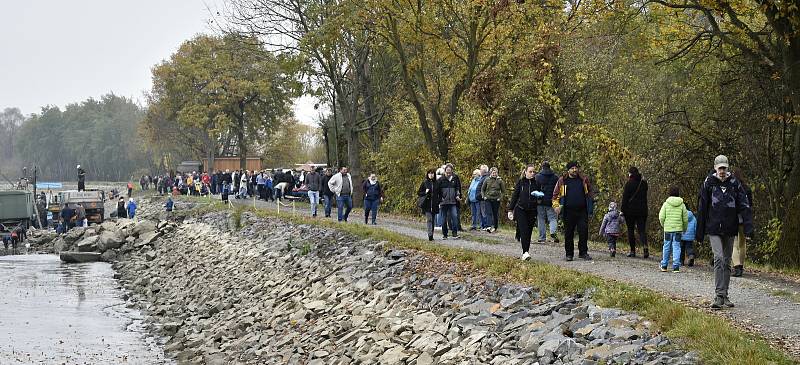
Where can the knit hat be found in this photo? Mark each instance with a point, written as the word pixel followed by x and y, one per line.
pixel 612 206
pixel 546 165
pixel 721 161
pixel 572 164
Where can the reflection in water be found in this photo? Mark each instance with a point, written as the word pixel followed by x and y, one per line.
pixel 43 321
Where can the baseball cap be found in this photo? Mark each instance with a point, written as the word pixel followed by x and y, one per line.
pixel 721 161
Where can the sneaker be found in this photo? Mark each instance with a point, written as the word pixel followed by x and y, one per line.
pixel 663 269
pixel 613 253
pixel 456 237
pixel 570 258
pixel 726 302
pixel 676 269
pixel 691 262
pixel 437 228
pixel 632 254
pixel 718 303
pixel 526 256
pixel 492 230
pixel 444 237
pixel 540 241
pixel 585 257
pixel 737 271
pixel 430 238
pixel 555 238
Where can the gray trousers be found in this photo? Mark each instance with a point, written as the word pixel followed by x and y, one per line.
pixel 431 219
pixel 722 246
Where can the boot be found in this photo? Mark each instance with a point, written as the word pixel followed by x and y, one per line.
pixel 646 253
pixel 738 270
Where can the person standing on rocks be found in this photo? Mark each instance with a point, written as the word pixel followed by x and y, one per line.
pixel 448 187
pixel 740 244
pixel 168 206
pixel 81 179
pixel 722 203
pixel 573 196
pixel 373 196
pixel 327 194
pixel 341 184
pixel 80 213
pixel 314 184
pixel 493 190
pixel 131 208
pixel 634 207
pixel 122 212
pixel 547 179
pixel 427 200
pixel 522 207
pixel 67 217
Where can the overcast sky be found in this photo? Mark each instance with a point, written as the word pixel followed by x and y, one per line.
pixel 59 52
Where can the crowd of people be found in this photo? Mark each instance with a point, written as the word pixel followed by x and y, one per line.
pixel 541 198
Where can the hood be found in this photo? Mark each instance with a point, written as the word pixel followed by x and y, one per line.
pixel 547 171
pixel 675 201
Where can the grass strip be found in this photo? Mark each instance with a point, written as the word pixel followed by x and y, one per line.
pixel 716 340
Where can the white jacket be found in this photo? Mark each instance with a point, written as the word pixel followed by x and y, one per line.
pixel 335 183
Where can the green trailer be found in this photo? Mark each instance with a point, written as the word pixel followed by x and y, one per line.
pixel 16 209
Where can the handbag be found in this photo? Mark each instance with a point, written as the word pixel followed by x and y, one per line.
pixel 421 201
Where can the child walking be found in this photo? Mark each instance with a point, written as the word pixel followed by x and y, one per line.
pixel 612 227
pixel 674 217
pixel 687 239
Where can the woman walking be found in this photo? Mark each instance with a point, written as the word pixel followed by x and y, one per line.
pixel 522 207
pixel 634 207
pixel 492 191
pixel 373 196
pixel 427 200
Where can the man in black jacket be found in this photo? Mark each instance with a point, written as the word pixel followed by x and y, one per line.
pixel 547 180
pixel 723 201
pixel 634 207
pixel 327 194
pixel 448 189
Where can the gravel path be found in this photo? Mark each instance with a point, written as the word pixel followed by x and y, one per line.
pixel 757 309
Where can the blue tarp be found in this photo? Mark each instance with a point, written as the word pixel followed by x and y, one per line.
pixel 49 185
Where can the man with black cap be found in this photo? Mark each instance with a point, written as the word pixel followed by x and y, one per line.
pixel 547 179
pixel 723 201
pixel 573 197
pixel 81 179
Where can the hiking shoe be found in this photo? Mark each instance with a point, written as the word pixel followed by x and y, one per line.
pixel 430 238
pixel 663 269
pixel 554 237
pixel 737 271
pixel 691 262
pixel 613 253
pixel 570 258
pixel 444 237
pixel 525 256
pixel 541 241
pixel 585 257
pixel 726 302
pixel 632 254
pixel 456 237
pixel 718 303
pixel 676 269
pixel 646 253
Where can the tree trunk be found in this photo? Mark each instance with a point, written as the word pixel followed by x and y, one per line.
pixel 240 136
pixel 789 244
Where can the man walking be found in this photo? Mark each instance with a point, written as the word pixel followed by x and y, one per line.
pixel 448 189
pixel 327 194
pixel 547 180
pixel 341 184
pixel 573 197
pixel 314 184
pixel 723 201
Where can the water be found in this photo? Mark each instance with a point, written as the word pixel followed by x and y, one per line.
pixel 55 313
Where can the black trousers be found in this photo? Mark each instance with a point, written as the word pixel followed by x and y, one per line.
pixel 525 222
pixel 636 223
pixel 576 219
pixel 81 186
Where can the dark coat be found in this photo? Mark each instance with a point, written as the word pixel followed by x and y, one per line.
pixel 447 190
pixel 326 190
pixel 122 212
pixel 521 197
pixel 634 203
pixel 721 206
pixel 313 181
pixel 431 203
pixel 547 180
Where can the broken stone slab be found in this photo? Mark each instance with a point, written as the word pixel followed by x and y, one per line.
pixel 72 257
pixel 88 244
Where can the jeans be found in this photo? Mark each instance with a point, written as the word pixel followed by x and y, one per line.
pixel 637 223
pixel 341 202
pixel 429 218
pixel 450 216
pixel 576 218
pixel 549 213
pixel 672 244
pixel 485 213
pixel 475 207
pixel 371 205
pixel 440 218
pixel 722 246
pixel 313 198
pixel 328 199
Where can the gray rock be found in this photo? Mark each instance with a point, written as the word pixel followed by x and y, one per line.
pixel 72 257
pixel 88 244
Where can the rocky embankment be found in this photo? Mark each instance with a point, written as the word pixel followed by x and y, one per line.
pixel 274 292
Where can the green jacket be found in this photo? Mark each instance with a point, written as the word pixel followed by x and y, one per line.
pixel 493 188
pixel 673 215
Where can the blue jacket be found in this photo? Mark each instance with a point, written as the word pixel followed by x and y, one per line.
pixel 131 209
pixel 690 229
pixel 473 189
pixel 168 205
